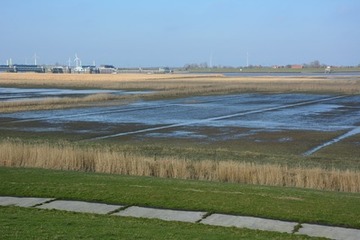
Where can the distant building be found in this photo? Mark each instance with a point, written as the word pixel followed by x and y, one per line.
pixel 277 67
pixel 297 66
pixel 107 69
pixel 328 69
pixel 57 70
pixel 165 70
pixel 22 68
pixel 89 69
pixel 5 68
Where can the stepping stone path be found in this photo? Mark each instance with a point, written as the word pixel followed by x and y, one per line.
pixel 163 214
pixel 76 206
pixel 185 216
pixel 23 202
pixel 250 222
pixel 329 232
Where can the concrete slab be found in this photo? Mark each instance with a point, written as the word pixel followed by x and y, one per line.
pixel 163 214
pixel 329 232
pixel 78 206
pixel 23 201
pixel 249 222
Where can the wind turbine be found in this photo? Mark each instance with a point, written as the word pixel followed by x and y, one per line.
pixel 35 58
pixel 77 60
pixel 78 67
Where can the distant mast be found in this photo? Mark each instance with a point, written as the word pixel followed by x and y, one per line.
pixel 35 59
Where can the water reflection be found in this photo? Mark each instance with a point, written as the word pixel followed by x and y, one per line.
pixel 20 94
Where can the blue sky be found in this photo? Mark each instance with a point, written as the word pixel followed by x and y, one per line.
pixel 144 33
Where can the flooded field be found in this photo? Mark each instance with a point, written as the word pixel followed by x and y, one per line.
pixel 301 123
pixel 21 94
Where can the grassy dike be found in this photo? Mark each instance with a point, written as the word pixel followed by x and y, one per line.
pixel 292 204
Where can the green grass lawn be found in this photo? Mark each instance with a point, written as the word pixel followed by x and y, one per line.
pixel 300 205
pixel 22 223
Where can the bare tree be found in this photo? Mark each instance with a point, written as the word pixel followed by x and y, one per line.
pixel 315 64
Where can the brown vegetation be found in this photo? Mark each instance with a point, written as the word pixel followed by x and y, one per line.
pixel 183 83
pixel 67 157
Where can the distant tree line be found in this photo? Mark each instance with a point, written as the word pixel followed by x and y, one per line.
pixel 205 65
pixel 314 64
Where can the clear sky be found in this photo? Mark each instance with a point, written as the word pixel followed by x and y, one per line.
pixel 134 33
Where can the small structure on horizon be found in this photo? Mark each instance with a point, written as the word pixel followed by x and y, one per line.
pixel 107 69
pixel 328 69
pixel 165 70
pixel 57 69
pixel 297 66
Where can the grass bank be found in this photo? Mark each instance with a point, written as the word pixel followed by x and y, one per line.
pixel 292 204
pixel 69 157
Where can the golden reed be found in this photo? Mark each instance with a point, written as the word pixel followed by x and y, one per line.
pixel 67 157
pixel 183 83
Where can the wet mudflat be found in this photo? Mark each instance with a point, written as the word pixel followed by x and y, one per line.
pixel 21 94
pixel 298 122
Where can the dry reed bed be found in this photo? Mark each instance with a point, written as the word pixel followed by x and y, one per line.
pixel 184 83
pixel 85 79
pixel 67 157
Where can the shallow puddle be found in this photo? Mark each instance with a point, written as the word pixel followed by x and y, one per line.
pixel 21 94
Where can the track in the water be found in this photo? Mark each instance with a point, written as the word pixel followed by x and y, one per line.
pixel 218 118
pixel 111 111
pixel 278 111
pixel 353 132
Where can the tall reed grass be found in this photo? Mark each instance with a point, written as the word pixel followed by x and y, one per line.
pixel 67 157
pixel 182 83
